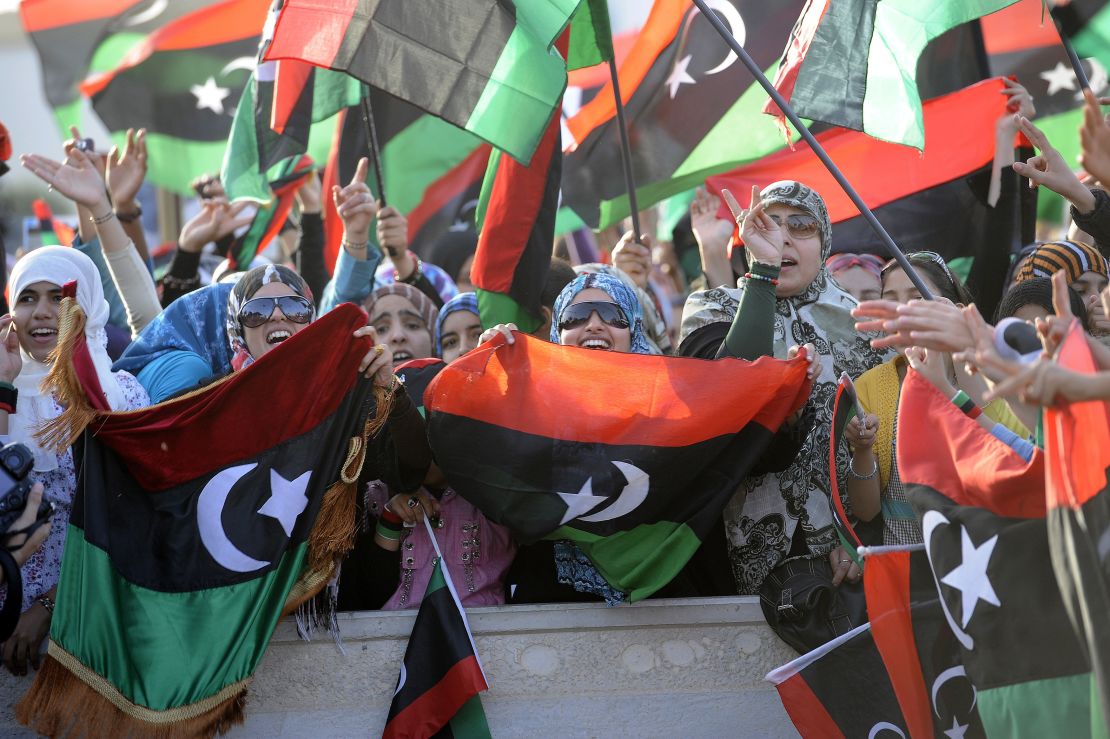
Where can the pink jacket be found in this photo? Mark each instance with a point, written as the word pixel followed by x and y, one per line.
pixel 478 553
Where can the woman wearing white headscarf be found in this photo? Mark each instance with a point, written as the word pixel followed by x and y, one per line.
pixel 29 335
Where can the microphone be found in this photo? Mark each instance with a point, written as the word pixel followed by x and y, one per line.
pixel 1017 341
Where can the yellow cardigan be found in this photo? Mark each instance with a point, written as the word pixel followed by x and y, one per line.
pixel 878 389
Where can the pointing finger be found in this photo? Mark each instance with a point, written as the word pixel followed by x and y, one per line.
pixel 361 171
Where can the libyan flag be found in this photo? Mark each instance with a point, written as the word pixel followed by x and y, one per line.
pixel 853 63
pixel 487 66
pixel 840 690
pixel 182 84
pixel 631 457
pixel 982 517
pixel 196 524
pixel 1077 445
pixel 441 675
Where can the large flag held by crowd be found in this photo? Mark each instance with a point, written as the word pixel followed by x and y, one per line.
pixel 184 611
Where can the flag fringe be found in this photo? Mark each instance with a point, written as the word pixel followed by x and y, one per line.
pixel 61 704
pixel 62 431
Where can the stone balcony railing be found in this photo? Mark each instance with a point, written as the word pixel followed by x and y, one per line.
pixel 661 668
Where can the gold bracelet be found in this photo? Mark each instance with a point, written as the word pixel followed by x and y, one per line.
pixel 104 218
pixel 356 247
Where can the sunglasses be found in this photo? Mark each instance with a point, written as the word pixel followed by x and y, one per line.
pixel 579 314
pixel 257 311
pixel 931 256
pixel 799 226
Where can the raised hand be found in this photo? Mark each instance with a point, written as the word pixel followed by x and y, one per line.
pixel 393 236
pixel 933 366
pixel 11 362
pixel 309 195
pixel 633 257
pixel 216 219
pixel 763 238
pixel 712 233
pixel 127 170
pixel 356 206
pixel 1049 169
pixel 77 179
pixel 77 142
pixel 1020 101
pixel 1094 137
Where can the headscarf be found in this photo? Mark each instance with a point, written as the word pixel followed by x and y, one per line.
pixel 444 284
pixel 250 283
pixel 195 322
pixel 655 328
pixel 621 294
pixel 462 301
pixel 451 250
pixel 847 260
pixel 1074 257
pixel 762 518
pixel 1037 291
pixel 59 265
pixel 424 306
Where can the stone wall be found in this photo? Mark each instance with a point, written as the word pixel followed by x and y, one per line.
pixel 666 668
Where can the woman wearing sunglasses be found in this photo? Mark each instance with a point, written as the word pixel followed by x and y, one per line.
pixel 874 485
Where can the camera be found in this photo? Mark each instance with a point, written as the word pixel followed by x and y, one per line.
pixel 16 461
pixel 1016 340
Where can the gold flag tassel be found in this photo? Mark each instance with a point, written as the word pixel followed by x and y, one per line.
pixel 60 433
pixel 63 684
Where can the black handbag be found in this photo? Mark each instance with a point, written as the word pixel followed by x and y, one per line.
pixel 805 609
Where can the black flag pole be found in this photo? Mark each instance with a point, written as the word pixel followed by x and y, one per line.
pixel 1076 64
pixel 375 151
pixel 626 149
pixel 784 106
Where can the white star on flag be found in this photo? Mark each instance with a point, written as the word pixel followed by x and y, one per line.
pixel 1060 77
pixel 581 502
pixel 680 76
pixel 970 578
pixel 287 499
pixel 210 95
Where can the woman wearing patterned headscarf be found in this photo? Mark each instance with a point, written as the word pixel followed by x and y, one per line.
pixel 405 318
pixel 783 516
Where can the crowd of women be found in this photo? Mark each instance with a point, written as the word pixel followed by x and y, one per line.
pixel 789 291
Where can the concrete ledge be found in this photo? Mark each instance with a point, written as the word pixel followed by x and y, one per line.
pixel 691 668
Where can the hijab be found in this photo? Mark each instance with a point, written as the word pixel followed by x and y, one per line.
pixel 195 322
pixel 1074 257
pixel 761 521
pixel 249 284
pixel 424 306
pixel 451 250
pixel 59 265
pixel 620 293
pixel 654 326
pixel 462 301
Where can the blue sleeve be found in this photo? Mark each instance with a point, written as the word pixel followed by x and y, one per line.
pixel 1022 446
pixel 352 280
pixel 173 372
pixel 117 315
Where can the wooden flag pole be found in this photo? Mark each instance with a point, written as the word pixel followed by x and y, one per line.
pixel 626 149
pixel 891 247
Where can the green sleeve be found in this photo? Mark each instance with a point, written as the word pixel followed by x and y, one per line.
pixel 751 335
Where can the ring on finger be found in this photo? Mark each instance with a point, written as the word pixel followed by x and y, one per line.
pixel 413 502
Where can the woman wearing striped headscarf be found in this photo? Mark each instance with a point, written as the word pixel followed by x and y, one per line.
pixel 1086 270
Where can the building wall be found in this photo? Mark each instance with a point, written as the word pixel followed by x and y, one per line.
pixel 666 668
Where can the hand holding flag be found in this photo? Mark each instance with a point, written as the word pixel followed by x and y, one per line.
pixel 633 257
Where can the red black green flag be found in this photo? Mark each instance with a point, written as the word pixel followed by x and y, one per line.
pixel 183 83
pixel 516 216
pixel 949 176
pixel 195 522
pixel 441 676
pixel 845 408
pixel 486 66
pixel 988 546
pixel 1077 447
pixel 921 654
pixel 417 374
pixel 840 690
pixel 634 466
pixel 288 176
pixel 432 170
pixel 854 63
pixel 70 35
